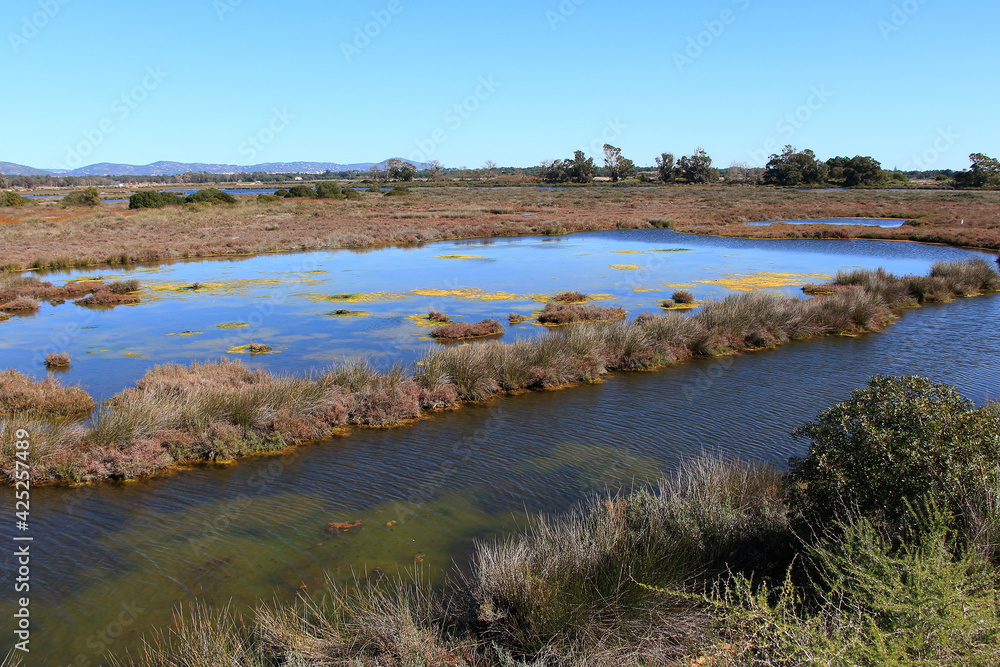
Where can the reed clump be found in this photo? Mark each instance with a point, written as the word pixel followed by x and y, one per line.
pixel 57 360
pixel 569 313
pixel 460 330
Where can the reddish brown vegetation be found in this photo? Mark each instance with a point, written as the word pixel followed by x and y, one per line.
pixel 459 330
pixel 46 398
pixel 57 360
pixel 561 313
pixel 571 297
pixel 115 235
pixel 435 316
pixel 108 298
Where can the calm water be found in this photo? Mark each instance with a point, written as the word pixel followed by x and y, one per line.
pixel 258 530
pixel 288 301
pixel 864 222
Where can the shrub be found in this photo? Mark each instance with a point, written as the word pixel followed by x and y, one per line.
pixel 8 198
pixel 86 197
pixel 281 192
pixel 57 360
pixel 154 199
pixel 457 330
pixel 683 296
pixel 268 199
pixel 301 192
pixel 397 191
pixel 352 194
pixel 514 318
pixel 210 196
pixel 435 316
pixel 329 190
pixel 893 442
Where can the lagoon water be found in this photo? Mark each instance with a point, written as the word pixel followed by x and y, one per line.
pixel 864 222
pixel 258 530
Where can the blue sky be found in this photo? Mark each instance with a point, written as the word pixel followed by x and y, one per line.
pixel 911 82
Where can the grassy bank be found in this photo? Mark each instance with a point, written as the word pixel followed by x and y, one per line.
pixel 49 237
pixel 879 547
pixel 220 411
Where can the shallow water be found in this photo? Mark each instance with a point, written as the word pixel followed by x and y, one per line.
pixel 288 300
pixel 260 529
pixel 864 222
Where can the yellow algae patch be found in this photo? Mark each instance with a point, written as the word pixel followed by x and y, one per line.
pixel 316 273
pixel 359 297
pixel 188 333
pixel 626 267
pixel 424 321
pixel 134 355
pixel 346 313
pixel 751 282
pixel 232 325
pixel 475 294
pixel 250 348
pixel 643 290
pixel 630 252
pixel 673 250
pixel 458 257
pixel 228 286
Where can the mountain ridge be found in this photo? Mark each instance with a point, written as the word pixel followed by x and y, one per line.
pixel 168 168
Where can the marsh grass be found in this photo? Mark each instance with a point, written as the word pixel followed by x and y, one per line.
pixel 460 330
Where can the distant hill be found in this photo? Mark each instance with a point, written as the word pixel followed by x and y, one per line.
pixel 12 169
pixel 174 168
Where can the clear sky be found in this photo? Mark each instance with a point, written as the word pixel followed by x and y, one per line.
pixel 515 82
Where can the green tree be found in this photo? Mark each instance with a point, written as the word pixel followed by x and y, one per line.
pixel 985 171
pixel 9 198
pixel 795 168
pixel 697 168
pixel 619 167
pixel 582 168
pixel 665 167
pixel 554 171
pixel 398 170
pixel 863 171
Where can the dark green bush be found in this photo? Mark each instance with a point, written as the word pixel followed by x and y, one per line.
pixel 154 199
pixel 329 190
pixel 9 198
pixel 268 199
pixel 895 441
pixel 85 197
pixel 301 191
pixel 210 196
pixel 281 193
pixel 351 193
pixel 398 191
